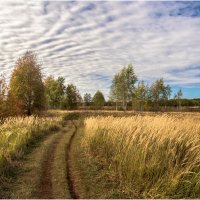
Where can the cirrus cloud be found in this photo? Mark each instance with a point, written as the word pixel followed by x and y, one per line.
pixel 88 42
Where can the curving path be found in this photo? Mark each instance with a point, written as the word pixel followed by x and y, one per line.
pixel 45 173
pixel 45 189
pixel 71 184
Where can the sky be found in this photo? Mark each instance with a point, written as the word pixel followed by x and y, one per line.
pixel 88 42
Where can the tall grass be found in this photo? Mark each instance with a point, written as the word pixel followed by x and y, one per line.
pixel 147 156
pixel 17 133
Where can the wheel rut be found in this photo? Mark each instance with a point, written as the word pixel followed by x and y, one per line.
pixel 46 185
pixel 70 180
pixel 46 173
pixel 45 189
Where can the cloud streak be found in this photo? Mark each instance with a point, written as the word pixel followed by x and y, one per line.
pixel 88 42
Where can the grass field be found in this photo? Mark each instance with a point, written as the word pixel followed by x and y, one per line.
pixel 142 156
pixel 101 155
pixel 17 133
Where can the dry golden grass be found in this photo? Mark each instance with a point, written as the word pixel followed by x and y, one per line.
pixel 16 133
pixel 148 156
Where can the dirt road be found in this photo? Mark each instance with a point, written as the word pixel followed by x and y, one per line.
pixel 45 172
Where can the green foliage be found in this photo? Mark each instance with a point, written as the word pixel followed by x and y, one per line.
pixel 72 97
pixel 151 97
pixel 60 96
pixel 159 93
pixel 140 97
pixel 98 100
pixel 178 97
pixel 87 99
pixel 123 86
pixel 55 90
pixel 26 86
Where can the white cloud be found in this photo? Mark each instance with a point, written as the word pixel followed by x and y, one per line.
pixel 88 43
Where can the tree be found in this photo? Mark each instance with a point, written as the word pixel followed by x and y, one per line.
pixel 159 93
pixel 72 98
pixel 55 90
pixel 61 83
pixel 3 100
pixel 87 99
pixel 3 89
pixel 166 94
pixel 115 91
pixel 26 86
pixel 98 100
pixel 140 96
pixel 122 87
pixel 178 97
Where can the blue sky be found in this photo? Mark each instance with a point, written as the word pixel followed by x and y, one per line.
pixel 88 42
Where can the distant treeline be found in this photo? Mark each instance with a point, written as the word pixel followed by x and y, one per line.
pixel 28 92
pixel 170 105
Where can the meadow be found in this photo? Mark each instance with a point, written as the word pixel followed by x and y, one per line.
pixel 100 154
pixel 16 134
pixel 144 156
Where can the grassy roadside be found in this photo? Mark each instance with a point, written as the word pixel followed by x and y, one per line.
pixel 22 178
pixel 18 134
pixel 90 180
pixel 32 171
pixel 97 175
pixel 157 156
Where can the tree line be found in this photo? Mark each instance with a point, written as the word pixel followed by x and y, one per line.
pixel 68 97
pixel 28 92
pixel 124 91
